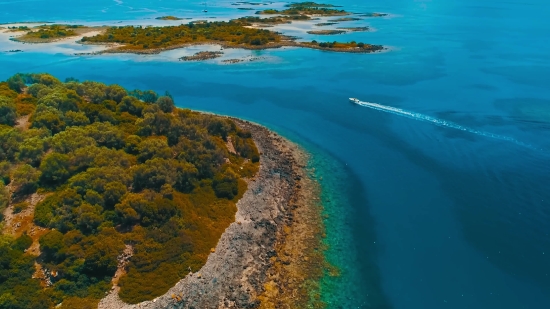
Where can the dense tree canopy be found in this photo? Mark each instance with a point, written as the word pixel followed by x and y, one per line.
pixel 117 168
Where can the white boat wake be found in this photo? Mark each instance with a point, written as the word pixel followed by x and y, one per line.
pixel 436 121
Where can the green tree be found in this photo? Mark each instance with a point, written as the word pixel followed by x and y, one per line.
pixel 10 140
pixel 94 198
pixel 220 127
pixel 106 115
pixel 226 184
pixel 49 118
pixel 131 105
pixel 76 118
pixel 154 173
pixel 46 79
pixel 35 89
pixel 157 172
pixel 245 147
pixel 132 144
pixel 114 191
pixel 101 257
pixel 16 83
pixel 106 134
pixel 51 244
pixel 157 123
pixel 203 154
pixel 110 105
pixel 116 93
pixel 88 217
pixel 166 104
pixel 5 168
pixel 8 114
pixel 79 303
pixel 111 157
pixel 72 139
pixel 154 148
pixel 126 210
pixel 31 150
pixel 22 243
pixel 61 99
pixel 55 168
pixel 94 91
pixel 97 178
pixel 25 179
pixel 4 199
pixel 8 301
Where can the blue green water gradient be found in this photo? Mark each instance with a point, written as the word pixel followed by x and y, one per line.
pixel 419 216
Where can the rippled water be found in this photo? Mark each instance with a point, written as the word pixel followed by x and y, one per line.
pixel 419 216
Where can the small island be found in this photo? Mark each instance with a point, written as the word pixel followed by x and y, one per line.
pixel 351 47
pixel 248 3
pixel 155 39
pixel 344 19
pixel 307 8
pixel 275 20
pixel 232 34
pixel 203 55
pixel 168 18
pixel 373 15
pixel 326 32
pixel 325 24
pixel 51 33
pixel 355 29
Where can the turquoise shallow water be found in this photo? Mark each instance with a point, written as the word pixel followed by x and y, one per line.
pixel 420 216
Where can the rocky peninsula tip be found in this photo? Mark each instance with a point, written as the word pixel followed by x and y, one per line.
pixel 274 246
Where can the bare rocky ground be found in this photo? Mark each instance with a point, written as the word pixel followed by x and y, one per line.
pixel 236 273
pixel 17 224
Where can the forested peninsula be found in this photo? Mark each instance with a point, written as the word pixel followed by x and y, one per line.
pixel 110 197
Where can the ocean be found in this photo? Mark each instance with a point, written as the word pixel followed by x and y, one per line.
pixel 419 214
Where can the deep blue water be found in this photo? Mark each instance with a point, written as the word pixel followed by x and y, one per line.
pixel 420 216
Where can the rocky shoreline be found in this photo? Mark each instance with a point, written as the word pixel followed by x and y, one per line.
pixel 203 55
pixel 287 43
pixel 273 248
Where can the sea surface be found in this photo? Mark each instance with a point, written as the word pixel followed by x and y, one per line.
pixel 438 198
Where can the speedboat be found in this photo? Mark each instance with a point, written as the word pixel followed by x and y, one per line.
pixel 354 100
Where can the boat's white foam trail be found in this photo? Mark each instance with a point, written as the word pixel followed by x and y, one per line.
pixel 438 122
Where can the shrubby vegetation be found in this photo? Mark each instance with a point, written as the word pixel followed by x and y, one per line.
pixel 17 288
pixel 46 33
pixel 307 8
pixel 235 33
pixel 249 20
pixel 52 32
pixel 119 168
pixel 310 4
pixel 340 45
pixel 373 15
pixel 140 38
pixel 169 17
pixel 19 28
